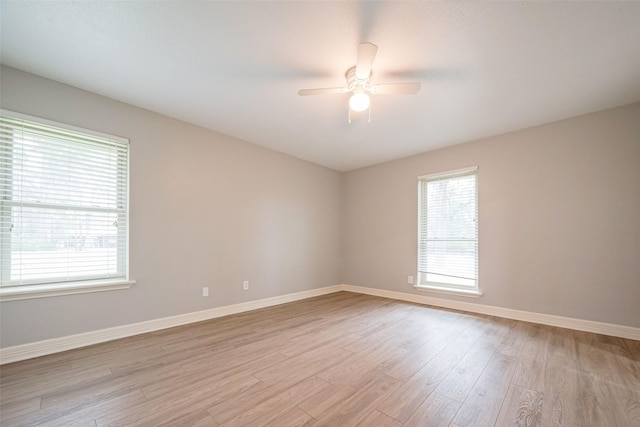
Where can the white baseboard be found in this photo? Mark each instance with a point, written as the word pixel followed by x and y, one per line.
pixel 527 316
pixel 55 345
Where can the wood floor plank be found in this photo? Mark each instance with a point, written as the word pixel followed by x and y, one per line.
pixel 303 365
pixel 276 330
pixel 230 359
pixel 104 388
pixel 341 360
pixel 437 410
pixel 360 368
pixel 368 341
pixel 415 390
pixel 19 407
pixel 294 418
pixel 458 383
pixel 217 389
pixel 192 418
pixel 513 340
pixel 603 405
pixel 33 368
pixel 521 407
pixel 631 404
pixel 496 329
pixel 529 371
pixel 482 405
pixel 333 338
pixel 378 419
pixel 624 363
pixel 563 404
pixel 405 367
pixel 278 405
pixel 179 403
pixel 85 414
pixel 591 353
pixel 561 343
pixel 355 408
pixel 119 358
pixel 55 382
pixel 321 402
pixel 230 408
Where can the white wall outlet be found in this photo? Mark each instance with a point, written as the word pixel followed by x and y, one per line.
pixel 410 280
pixel 205 291
pixel 245 285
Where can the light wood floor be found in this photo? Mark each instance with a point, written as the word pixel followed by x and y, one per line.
pixel 338 360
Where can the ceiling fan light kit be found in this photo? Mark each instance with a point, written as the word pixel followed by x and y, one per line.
pixel 359 101
pixel 359 83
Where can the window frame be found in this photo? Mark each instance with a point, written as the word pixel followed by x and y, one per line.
pixel 439 287
pixel 11 292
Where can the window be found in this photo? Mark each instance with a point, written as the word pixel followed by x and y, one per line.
pixel 448 232
pixel 63 209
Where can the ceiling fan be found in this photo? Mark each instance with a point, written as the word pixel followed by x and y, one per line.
pixel 359 83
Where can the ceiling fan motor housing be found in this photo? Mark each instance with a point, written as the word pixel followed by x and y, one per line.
pixel 355 84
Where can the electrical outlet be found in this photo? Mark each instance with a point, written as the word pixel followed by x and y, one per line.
pixel 410 280
pixel 205 291
pixel 245 285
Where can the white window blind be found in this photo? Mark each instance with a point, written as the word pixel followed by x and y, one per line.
pixel 63 203
pixel 448 229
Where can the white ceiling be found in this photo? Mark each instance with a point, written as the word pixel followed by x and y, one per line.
pixel 235 67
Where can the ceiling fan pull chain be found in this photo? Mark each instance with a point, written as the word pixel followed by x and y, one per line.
pixel 369 114
pixel 349 114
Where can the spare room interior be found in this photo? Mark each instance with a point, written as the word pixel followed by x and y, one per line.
pixel 344 213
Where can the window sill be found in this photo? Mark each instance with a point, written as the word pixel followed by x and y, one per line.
pixel 14 293
pixel 472 293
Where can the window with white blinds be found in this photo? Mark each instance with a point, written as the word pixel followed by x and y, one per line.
pixel 448 230
pixel 63 204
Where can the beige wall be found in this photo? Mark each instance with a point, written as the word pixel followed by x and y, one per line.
pixel 206 210
pixel 559 209
pixel 559 218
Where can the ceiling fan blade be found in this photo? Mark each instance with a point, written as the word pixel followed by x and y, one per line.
pixel 396 89
pixel 366 55
pixel 323 91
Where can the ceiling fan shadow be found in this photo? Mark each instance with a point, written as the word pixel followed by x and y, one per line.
pixel 440 74
pixel 368 12
pixel 277 72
